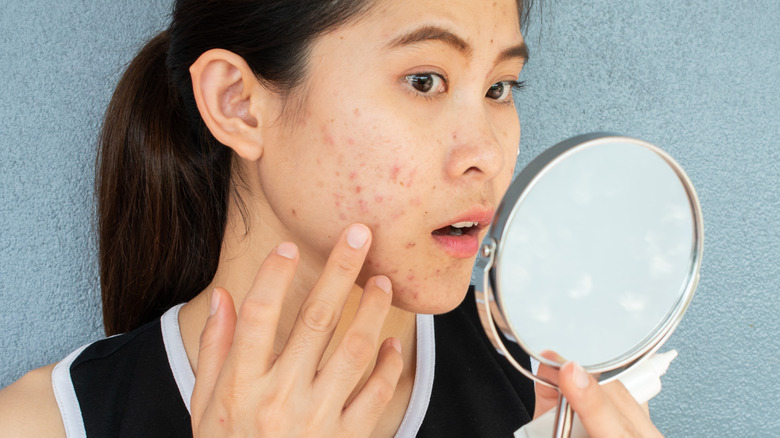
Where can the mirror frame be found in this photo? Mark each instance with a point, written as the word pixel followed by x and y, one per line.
pixel 488 295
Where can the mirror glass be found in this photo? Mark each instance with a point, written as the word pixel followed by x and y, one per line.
pixel 596 253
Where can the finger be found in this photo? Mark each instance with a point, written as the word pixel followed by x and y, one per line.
pixel 547 397
pixel 592 404
pixel 620 397
pixel 215 342
pixel 321 310
pixel 362 414
pixel 358 347
pixel 259 315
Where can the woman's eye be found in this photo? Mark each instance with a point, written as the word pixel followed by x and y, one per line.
pixel 426 83
pixel 502 91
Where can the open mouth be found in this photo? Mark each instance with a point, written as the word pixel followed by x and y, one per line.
pixel 458 229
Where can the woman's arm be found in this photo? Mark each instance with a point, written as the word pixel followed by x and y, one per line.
pixel 28 407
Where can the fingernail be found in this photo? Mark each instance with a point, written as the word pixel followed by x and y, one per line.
pixel 396 344
pixel 581 379
pixel 383 283
pixel 214 302
pixel 357 236
pixel 287 250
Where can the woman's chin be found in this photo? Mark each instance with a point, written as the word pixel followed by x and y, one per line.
pixel 437 300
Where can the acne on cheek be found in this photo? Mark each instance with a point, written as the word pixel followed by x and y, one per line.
pixel 404 181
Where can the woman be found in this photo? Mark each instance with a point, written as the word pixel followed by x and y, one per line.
pixel 352 150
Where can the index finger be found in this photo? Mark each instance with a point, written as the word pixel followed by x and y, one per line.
pixel 321 310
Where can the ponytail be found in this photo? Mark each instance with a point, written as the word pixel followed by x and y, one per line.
pixel 162 185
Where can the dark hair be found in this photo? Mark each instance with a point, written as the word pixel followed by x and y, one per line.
pixel 163 182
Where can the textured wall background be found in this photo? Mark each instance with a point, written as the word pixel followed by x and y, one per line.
pixel 698 78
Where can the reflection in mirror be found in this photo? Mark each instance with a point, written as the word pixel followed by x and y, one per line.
pixel 597 253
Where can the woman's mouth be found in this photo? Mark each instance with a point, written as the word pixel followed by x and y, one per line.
pixel 459 240
pixel 458 229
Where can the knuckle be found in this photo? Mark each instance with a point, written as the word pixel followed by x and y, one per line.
pixel 255 311
pixel 208 341
pixel 359 348
pixel 318 316
pixel 382 391
pixel 278 266
pixel 344 265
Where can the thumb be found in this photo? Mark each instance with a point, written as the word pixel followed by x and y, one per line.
pixel 591 403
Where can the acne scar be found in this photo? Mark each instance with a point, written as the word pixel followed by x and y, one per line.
pixel 378 199
pixel 358 189
pixel 352 175
pixel 294 213
pixel 410 245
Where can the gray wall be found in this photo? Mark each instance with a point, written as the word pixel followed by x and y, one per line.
pixel 698 78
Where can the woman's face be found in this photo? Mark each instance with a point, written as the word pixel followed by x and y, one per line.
pixel 406 124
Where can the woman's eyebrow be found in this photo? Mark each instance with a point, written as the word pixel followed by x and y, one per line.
pixel 436 33
pixel 519 51
pixel 432 33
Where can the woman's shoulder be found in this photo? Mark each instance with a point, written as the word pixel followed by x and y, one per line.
pixel 28 406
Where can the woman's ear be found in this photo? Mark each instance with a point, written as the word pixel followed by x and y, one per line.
pixel 231 101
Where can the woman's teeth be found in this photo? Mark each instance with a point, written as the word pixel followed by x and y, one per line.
pixel 464 224
pixel 457 229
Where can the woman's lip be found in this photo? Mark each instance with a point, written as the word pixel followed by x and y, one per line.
pixel 482 215
pixel 467 244
pixel 462 247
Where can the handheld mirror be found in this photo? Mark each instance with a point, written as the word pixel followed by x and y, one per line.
pixel 594 254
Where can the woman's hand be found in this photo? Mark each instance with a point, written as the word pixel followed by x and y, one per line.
pixel 604 410
pixel 243 388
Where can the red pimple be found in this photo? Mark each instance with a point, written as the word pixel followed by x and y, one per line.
pixel 363 206
pixel 358 189
pixel 394 173
pixel 352 175
pixel 378 199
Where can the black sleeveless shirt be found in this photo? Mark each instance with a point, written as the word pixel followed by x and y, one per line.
pixel 139 384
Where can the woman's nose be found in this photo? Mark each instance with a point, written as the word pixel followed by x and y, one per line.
pixel 475 150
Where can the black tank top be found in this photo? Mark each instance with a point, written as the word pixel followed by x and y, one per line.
pixel 139 384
